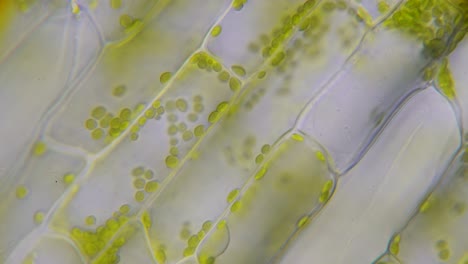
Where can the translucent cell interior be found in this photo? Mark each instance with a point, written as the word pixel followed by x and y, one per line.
pixel 233 131
pixel 53 249
pixel 415 148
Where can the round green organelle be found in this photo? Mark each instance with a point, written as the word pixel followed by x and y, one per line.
pixel 139 196
pixel 114 132
pixel 173 141
pixel 182 127
pixel 134 136
pixel 260 173
pixel 198 107
pixel 265 149
pixel 165 77
pixel 160 110
pixel 116 4
pixel 172 129
pixel 91 124
pixel 172 161
pixel 213 117
pixel 297 137
pixel 207 225
pixel 135 129
pixel 279 57
pixel 90 220
pixel 151 186
pixel 139 183
pixel 119 90
pixel 98 112
pixel 126 21
pixel 239 70
pixel 174 151
pixel 160 255
pixel 201 234
pixel 21 192
pixel 115 122
pixel 259 159
pixel 232 195
pixel 181 105
pixel 236 206
pixel 238 4
pixel 124 125
pixel 156 104
pixel 105 121
pixel 216 31
pixel 148 174
pixel 68 178
pixel 142 121
pixel 146 219
pixel 189 251
pixel 202 64
pixel 395 245
pixel 187 135
pixel 193 241
pixel 97 134
pixel 39 148
pixel 324 196
pixel 192 117
pixel 139 108
pixel 383 6
pixel 222 106
pixel 441 244
pixel 320 156
pixel 150 113
pixel 217 67
pixel 199 130
pixel 444 254
pixel 234 84
pixel 138 171
pixel 125 114
pixel 261 74
pixel 224 76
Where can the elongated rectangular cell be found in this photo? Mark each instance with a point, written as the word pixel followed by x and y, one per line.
pixel 349 111
pixel 234 153
pixel 131 172
pixel 438 232
pixel 131 73
pixel 376 198
pixel 44 179
pixel 33 75
pixel 277 201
